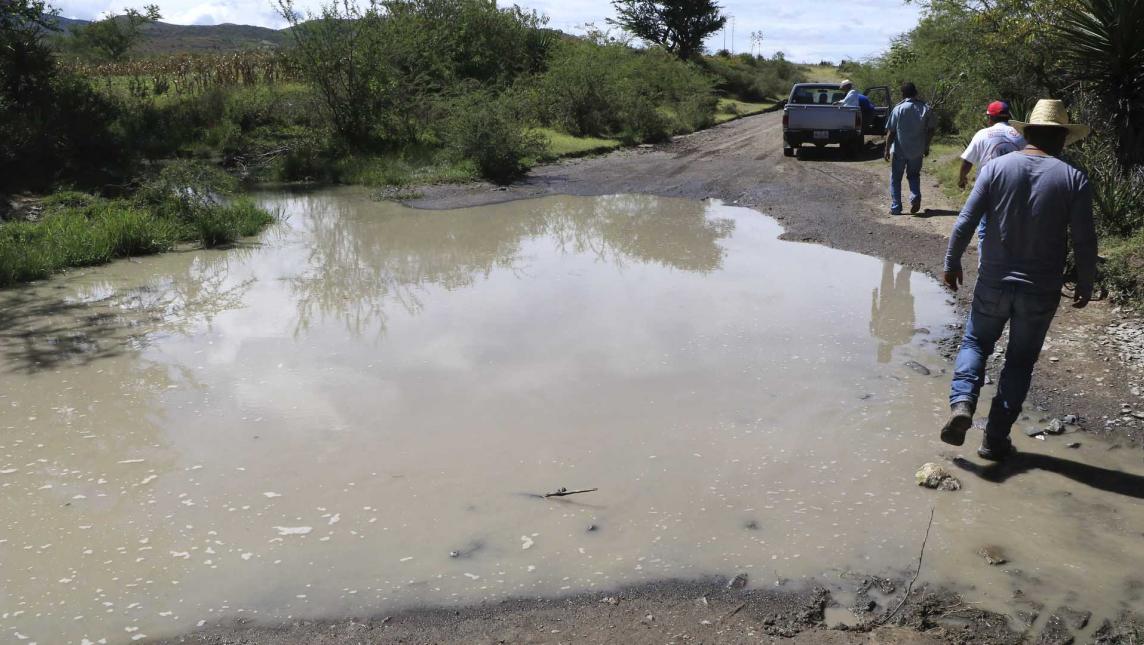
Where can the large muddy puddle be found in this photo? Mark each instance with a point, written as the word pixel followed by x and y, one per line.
pixel 357 414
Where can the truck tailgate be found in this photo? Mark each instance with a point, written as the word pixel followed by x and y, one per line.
pixel 820 117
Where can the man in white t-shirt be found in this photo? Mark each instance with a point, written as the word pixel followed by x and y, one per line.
pixel 851 98
pixel 987 144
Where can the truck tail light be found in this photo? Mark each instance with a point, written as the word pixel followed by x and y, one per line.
pixel 857 120
pixel 786 119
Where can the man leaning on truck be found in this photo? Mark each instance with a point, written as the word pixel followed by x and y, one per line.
pixel 854 98
pixel 909 130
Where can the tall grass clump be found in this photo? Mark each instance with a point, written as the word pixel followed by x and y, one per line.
pixel 226 223
pixel 185 203
pixel 92 233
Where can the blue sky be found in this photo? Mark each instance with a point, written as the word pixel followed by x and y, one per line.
pixel 805 30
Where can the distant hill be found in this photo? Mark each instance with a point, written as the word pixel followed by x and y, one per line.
pixel 164 38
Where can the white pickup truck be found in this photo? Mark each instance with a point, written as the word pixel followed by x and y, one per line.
pixel 812 116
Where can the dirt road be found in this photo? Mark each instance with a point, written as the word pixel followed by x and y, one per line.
pixel 819 198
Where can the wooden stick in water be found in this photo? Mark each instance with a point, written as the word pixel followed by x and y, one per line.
pixel 563 492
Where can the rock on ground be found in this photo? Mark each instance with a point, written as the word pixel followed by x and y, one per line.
pixel 937 477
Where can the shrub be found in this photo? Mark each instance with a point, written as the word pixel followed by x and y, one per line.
pixel 1123 272
pixel 184 188
pixel 379 68
pixel 608 89
pixel 310 158
pixel 752 78
pixel 482 130
pixel 1117 193
pixel 579 91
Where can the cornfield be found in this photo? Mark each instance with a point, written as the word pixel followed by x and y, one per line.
pixel 192 74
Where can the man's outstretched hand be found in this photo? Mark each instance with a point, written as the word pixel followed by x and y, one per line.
pixel 953 279
pixel 1081 297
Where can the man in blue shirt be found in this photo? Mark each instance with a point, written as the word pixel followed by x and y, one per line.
pixel 909 130
pixel 1032 203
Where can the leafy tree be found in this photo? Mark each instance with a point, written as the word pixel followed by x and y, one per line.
pixel 679 26
pixel 381 67
pixel 27 72
pixel 52 124
pixel 26 65
pixel 1103 43
pixel 113 37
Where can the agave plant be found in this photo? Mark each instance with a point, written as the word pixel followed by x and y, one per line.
pixel 1103 44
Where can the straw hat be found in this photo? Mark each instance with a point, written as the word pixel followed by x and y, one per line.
pixel 845 83
pixel 1052 113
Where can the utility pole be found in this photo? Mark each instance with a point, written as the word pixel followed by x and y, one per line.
pixel 732 35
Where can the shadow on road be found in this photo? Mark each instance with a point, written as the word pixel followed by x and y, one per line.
pixel 1112 481
pixel 937 212
pixel 835 154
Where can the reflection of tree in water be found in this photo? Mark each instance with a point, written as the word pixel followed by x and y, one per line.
pixel 42 330
pixel 892 311
pixel 358 265
pixel 617 228
pixel 179 304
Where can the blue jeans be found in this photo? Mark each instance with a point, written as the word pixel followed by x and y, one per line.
pixel 1029 314
pixel 913 170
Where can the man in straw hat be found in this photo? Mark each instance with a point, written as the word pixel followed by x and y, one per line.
pixel 1032 202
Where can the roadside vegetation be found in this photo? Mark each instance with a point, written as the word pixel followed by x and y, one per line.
pixel 1090 53
pixel 186 203
pixel 397 92
pixel 392 93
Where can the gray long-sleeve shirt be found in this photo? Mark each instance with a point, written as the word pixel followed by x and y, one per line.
pixel 1031 204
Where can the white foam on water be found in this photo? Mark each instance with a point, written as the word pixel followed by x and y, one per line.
pixel 293 530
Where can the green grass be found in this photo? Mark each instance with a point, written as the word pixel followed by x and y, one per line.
pixel 944 163
pixel 79 230
pixel 821 74
pixel 400 170
pixel 730 109
pixel 566 145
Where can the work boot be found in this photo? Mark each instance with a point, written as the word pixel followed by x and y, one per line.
pixel 996 446
pixel 996 449
pixel 915 206
pixel 960 420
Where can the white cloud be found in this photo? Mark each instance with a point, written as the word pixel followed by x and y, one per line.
pixel 807 30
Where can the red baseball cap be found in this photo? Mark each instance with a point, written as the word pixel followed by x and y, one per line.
pixel 998 108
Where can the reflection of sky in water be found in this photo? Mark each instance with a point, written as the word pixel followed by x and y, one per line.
pixel 390 380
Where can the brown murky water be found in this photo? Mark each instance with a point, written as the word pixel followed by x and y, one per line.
pixel 356 415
